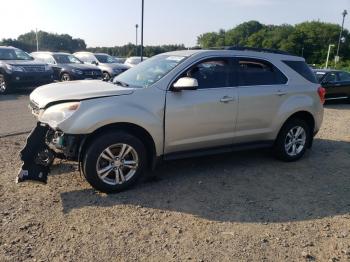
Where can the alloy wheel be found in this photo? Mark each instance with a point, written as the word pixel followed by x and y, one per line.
pixel 2 85
pixel 117 164
pixel 295 141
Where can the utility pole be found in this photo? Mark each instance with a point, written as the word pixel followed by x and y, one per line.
pixel 340 36
pixel 142 11
pixel 329 51
pixel 136 53
pixel 37 40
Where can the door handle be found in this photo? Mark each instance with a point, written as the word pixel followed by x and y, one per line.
pixel 226 99
pixel 281 93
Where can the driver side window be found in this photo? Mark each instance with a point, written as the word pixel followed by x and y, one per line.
pixel 211 73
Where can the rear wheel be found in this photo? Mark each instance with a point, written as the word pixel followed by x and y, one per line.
pixel 4 88
pixel 106 76
pixel 65 77
pixel 114 162
pixel 292 140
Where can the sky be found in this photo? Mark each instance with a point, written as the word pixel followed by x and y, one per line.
pixel 112 22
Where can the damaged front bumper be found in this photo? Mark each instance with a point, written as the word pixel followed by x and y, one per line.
pixel 42 147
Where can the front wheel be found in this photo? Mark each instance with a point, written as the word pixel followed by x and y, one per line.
pixel 114 162
pixel 292 140
pixel 65 77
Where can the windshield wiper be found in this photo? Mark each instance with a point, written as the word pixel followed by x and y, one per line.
pixel 119 83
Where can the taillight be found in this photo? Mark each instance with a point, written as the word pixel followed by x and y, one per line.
pixel 322 94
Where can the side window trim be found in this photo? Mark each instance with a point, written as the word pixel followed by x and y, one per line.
pixel 233 76
pixel 237 58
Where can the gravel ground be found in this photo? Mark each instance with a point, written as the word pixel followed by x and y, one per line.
pixel 245 206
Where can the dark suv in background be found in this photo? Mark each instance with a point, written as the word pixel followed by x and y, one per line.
pixel 336 83
pixel 18 69
pixel 67 67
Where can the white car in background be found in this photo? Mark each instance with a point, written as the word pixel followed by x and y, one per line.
pixel 134 60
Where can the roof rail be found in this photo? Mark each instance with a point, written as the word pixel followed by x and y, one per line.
pixel 255 49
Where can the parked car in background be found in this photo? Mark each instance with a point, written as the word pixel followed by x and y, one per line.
pixel 134 60
pixel 108 65
pixel 120 60
pixel 336 83
pixel 67 67
pixel 18 69
pixel 175 105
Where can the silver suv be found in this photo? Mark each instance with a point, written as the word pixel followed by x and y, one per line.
pixel 174 105
pixel 108 64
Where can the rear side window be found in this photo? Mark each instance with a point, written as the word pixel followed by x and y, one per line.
pixel 302 69
pixel 259 72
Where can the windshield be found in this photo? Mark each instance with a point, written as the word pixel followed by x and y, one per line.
pixel 14 54
pixel 66 59
pixel 148 72
pixel 105 59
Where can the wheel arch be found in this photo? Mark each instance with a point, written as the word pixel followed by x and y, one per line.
pixel 130 128
pixel 305 116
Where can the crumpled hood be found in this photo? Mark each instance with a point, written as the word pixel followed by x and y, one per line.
pixel 75 90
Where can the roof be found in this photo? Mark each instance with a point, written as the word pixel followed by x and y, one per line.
pixel 326 70
pixel 262 54
pixel 50 53
pixel 7 47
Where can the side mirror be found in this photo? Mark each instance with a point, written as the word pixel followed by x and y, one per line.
pixel 94 62
pixel 185 83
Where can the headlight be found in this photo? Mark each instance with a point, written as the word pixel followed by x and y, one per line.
pixel 77 71
pixel 56 114
pixel 14 68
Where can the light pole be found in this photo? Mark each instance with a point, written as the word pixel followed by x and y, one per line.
pixel 37 40
pixel 142 11
pixel 340 35
pixel 137 27
pixel 329 51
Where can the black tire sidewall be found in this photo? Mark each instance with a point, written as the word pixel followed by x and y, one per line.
pixel 279 148
pixel 96 148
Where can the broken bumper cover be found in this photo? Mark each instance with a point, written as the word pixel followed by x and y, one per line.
pixel 36 156
pixel 42 146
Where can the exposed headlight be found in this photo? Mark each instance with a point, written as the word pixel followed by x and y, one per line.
pixel 77 71
pixel 14 68
pixel 56 114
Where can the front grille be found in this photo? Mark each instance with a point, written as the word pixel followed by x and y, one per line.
pixel 34 68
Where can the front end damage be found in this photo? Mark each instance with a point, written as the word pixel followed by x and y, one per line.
pixel 42 147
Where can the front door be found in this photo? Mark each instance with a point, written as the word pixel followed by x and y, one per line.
pixel 202 118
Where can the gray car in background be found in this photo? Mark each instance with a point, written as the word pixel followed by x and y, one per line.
pixel 108 64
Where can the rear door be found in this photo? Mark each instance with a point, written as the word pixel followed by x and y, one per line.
pixel 262 89
pixel 202 118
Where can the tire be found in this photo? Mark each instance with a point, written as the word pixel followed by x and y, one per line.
pixel 106 76
pixel 4 87
pixel 287 147
pixel 65 77
pixel 115 175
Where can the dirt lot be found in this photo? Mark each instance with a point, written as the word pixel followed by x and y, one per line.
pixel 236 207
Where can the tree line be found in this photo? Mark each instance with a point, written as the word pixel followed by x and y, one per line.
pixel 307 39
